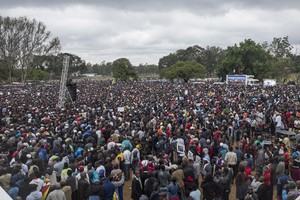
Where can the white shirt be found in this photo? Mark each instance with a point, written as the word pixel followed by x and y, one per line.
pixel 278 121
pixel 127 156
pixel 180 141
pixel 231 158
pixel 141 134
pixel 196 194
pixel 111 145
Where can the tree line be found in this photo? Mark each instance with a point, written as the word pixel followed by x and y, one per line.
pixel 27 51
pixel 266 60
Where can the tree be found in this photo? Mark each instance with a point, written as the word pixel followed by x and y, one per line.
pixel 212 58
pixel 123 70
pixel 20 40
pixel 295 63
pixel 53 64
pixel 3 70
pixel 247 58
pixel 166 62
pixel 191 53
pixel 38 74
pixel 104 68
pixel 281 47
pixel 185 70
pixel 147 69
pixel 77 65
pixel 209 57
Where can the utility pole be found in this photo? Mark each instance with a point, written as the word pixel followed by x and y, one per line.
pixel 63 82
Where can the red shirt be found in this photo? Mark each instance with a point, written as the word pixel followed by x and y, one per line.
pixel 286 156
pixel 268 178
pixel 248 173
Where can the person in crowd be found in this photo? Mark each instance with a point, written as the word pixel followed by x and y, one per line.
pixel 210 188
pixel 164 178
pixel 34 193
pixel 251 195
pixel 255 182
pixel 113 128
pixel 108 189
pixel 136 187
pixel 56 194
pixel 195 194
pixel 179 175
pixel 263 191
pixel 241 184
pixel 231 160
pixel 83 186
pixel 281 182
pixel 290 191
pixel 173 189
pixel 71 181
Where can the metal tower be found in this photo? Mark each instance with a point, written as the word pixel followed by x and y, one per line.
pixel 63 82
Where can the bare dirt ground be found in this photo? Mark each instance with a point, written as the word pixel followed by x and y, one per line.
pixel 127 191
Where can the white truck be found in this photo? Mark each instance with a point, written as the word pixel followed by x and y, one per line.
pixel 241 79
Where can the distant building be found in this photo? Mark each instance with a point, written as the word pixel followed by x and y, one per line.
pixel 89 74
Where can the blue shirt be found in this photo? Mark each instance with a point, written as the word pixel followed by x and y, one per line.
pixel 108 189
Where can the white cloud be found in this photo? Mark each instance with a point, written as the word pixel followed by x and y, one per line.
pixel 144 32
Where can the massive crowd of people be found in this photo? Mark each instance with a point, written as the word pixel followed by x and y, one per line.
pixel 168 140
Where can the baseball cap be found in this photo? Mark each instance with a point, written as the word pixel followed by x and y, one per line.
pixel 292 184
pixel 81 168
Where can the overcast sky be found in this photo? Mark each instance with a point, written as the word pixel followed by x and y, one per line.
pixel 145 30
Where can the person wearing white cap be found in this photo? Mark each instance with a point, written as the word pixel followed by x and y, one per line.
pixel 222 150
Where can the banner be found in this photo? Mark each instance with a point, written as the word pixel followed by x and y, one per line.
pixel 269 82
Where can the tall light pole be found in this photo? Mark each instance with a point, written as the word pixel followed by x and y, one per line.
pixel 63 82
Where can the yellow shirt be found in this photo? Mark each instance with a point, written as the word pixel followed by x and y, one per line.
pixel 120 156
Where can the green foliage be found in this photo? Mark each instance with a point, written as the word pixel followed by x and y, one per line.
pixel 104 68
pixel 123 70
pixel 20 40
pixel 191 53
pixel 281 47
pixel 38 74
pixel 247 58
pixel 184 70
pixel 147 69
pixel 212 58
pixel 166 62
pixel 209 57
pixel 53 64
pixel 295 63
pixel 3 71
pixel 279 68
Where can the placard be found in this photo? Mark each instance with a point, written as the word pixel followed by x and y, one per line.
pixel 121 109
pixel 180 148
